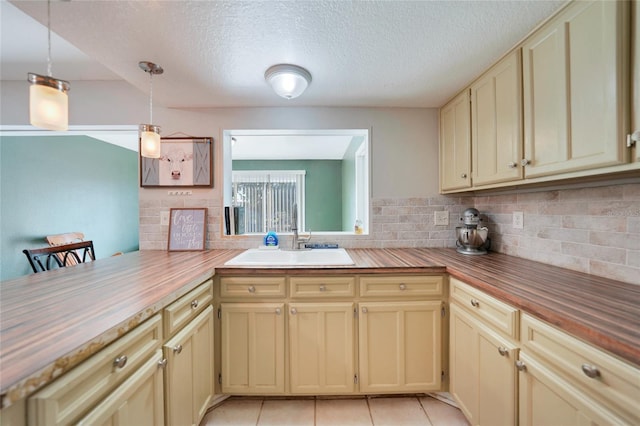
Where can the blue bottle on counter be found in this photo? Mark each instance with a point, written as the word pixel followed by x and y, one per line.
pixel 271 239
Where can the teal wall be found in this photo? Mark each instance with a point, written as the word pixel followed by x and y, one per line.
pixel 56 184
pixel 323 188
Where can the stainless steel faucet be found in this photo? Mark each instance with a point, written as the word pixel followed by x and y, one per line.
pixel 296 241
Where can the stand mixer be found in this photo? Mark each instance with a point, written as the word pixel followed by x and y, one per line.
pixel 471 239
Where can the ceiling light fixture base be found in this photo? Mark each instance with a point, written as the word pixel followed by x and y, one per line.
pixel 287 80
pixel 150 67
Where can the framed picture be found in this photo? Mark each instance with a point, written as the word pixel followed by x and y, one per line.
pixel 183 162
pixel 187 229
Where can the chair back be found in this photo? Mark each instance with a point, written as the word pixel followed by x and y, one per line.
pixel 66 238
pixel 46 258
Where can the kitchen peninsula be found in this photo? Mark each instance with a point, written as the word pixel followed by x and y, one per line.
pixel 53 321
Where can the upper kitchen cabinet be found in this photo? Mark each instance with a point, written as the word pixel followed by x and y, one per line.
pixel 496 121
pixel 455 144
pixel 576 90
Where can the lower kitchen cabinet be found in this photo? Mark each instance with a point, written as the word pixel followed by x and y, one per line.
pixel 252 336
pixel 547 399
pixel 483 375
pixel 400 346
pixel 138 401
pixel 189 375
pixel 321 348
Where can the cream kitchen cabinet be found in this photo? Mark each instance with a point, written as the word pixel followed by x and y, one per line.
pixel 576 89
pixel 564 380
pixel 496 123
pixel 189 375
pixel 122 381
pixel 455 143
pixel 322 348
pixel 252 347
pixel 400 346
pixel 483 376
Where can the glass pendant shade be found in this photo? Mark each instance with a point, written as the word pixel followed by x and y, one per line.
pixel 149 141
pixel 48 102
pixel 288 81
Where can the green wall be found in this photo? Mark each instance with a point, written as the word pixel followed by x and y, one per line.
pixel 56 184
pixel 323 188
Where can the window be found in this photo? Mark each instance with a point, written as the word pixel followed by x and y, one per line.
pixel 266 199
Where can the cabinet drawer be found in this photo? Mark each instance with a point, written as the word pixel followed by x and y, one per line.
pixel 183 310
pixel 401 286
pixel 320 287
pixel 252 287
pixel 499 315
pixel 68 398
pixel 592 370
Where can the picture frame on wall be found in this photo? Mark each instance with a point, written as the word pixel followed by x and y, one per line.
pixel 185 162
pixel 187 229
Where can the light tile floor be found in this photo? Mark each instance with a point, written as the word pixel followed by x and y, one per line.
pixel 377 411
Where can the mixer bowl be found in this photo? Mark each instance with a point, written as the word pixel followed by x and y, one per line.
pixel 472 240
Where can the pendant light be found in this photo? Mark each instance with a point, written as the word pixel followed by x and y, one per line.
pixel 48 100
pixel 288 81
pixel 149 133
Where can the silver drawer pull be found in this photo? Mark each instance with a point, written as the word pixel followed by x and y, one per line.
pixel 162 363
pixel 120 362
pixel 365 310
pixel 403 287
pixel 512 165
pixel 278 311
pixel 323 288
pixel 525 162
pixel 294 311
pixel 251 289
pixel 503 351
pixel 590 371
pixel 177 349
pixel 475 303
pixel 521 366
pixel 463 175
pixel 194 304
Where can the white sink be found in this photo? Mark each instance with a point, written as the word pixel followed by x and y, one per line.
pixel 260 257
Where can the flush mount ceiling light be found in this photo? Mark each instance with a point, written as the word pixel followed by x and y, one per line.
pixel 149 133
pixel 48 100
pixel 288 81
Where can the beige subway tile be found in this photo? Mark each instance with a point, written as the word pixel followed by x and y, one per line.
pixel 564 234
pixel 631 191
pixel 564 208
pixel 629 274
pixel 614 240
pixel 589 251
pixel 596 223
pixel 614 208
pixel 613 192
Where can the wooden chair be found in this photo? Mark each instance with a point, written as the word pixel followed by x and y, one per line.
pixel 67 238
pixel 46 258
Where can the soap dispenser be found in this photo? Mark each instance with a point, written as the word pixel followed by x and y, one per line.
pixel 271 239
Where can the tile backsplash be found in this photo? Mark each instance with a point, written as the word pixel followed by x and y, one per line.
pixel 594 230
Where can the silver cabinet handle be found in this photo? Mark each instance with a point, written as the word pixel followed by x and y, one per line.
pixel 323 287
pixel 520 365
pixel 294 311
pixel 162 363
pixel 525 162
pixel 120 361
pixel 590 371
pixel 512 165
pixel 403 287
pixel 194 304
pixel 252 289
pixel 177 349
pixel 365 310
pixel 463 175
pixel 503 351
pixel 475 303
pixel 278 311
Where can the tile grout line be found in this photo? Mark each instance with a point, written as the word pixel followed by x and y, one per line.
pixel 369 409
pixel 260 412
pixel 424 410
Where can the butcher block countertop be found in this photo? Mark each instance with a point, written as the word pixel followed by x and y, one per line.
pixel 52 321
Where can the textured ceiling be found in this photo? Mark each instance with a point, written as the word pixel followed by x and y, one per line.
pixel 364 53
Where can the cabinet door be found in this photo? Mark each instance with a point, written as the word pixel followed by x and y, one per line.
pixel 400 346
pixel 455 143
pixel 321 345
pixel 496 119
pixel 190 381
pixel 252 348
pixel 576 89
pixel 483 375
pixel 546 399
pixel 137 401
